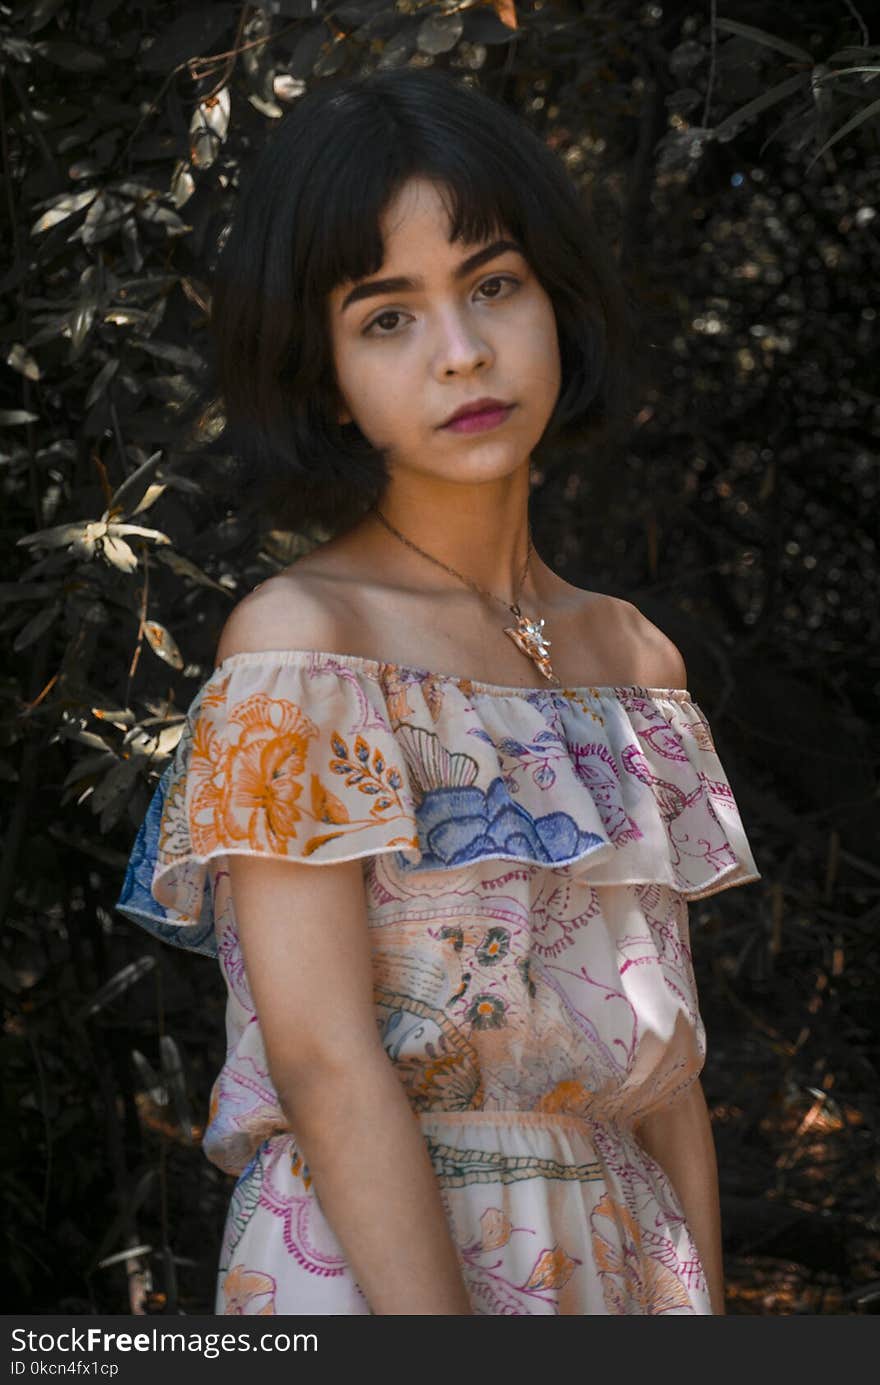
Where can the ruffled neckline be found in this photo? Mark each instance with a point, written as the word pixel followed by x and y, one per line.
pixel 313 756
pixel 379 669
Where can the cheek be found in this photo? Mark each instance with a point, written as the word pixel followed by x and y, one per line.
pixel 543 344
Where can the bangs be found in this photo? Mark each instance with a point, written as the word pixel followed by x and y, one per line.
pixel 348 245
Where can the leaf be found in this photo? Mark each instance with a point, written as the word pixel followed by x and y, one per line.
pixel 117 716
pixel 101 380
pixel 132 1253
pixel 208 127
pixel 118 552
pixel 844 72
pixel 155 534
pixel 36 626
pixel 439 33
pixel 150 496
pixel 162 643
pixel 21 360
pixel 161 744
pixel 857 120
pixel 782 45
pixel 115 784
pixel 131 1201
pixel 10 417
pixel 71 56
pixel 172 1071
pixel 118 984
pixel 127 496
pixel 104 218
pixel 151 1082
pixel 88 765
pixel 184 357
pixel 17 48
pixel 761 103
pixel 62 208
pixel 164 216
pixel 55 537
pixel 183 567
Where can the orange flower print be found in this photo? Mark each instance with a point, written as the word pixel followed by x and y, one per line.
pixel 247 791
pixel 248 1292
pixel 567 1095
pixel 495 1228
pixel 552 1270
pixel 632 1280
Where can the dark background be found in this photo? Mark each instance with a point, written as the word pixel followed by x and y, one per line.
pixel 740 516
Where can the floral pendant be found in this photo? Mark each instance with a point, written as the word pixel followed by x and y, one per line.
pixel 527 636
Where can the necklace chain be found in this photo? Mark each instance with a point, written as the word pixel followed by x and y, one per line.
pixel 527 634
pixel 473 585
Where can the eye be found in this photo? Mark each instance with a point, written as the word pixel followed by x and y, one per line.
pixel 389 312
pixel 395 312
pixel 499 279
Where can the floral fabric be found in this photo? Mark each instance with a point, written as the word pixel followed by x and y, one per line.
pixel 528 857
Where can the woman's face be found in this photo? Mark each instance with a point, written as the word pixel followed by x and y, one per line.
pixel 407 358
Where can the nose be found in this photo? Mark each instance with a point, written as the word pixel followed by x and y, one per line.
pixel 462 346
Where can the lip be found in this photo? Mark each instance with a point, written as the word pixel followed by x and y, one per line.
pixel 481 413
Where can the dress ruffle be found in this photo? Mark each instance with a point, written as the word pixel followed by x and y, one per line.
pixel 321 758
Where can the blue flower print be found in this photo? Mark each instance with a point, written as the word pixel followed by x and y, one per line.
pixel 458 825
pixel 136 901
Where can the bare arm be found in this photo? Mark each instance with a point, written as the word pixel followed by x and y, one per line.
pixel 304 938
pixel 680 1138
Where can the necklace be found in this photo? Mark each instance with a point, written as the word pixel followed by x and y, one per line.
pixel 526 634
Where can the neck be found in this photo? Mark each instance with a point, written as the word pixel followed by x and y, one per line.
pixel 484 540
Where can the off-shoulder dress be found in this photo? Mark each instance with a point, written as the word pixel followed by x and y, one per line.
pixel 528 856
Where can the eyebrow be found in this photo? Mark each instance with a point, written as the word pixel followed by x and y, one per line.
pixel 401 283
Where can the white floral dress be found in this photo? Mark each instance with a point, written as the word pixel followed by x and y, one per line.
pixel 529 855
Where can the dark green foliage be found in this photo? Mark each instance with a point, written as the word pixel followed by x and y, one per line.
pixel 735 174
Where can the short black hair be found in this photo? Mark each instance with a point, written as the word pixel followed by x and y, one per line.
pixel 308 219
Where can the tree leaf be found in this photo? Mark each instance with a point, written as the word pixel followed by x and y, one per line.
pixel 127 496
pixel 115 784
pixel 21 360
pixel 101 381
pixel 162 643
pixel 63 207
pixel 172 1072
pixel 35 627
pixel 55 537
pixel 118 984
pixel 762 103
pixel 71 56
pixel 208 127
pixel 155 534
pixel 781 45
pixel 853 124
pixel 184 567
pixel 11 417
pixel 88 765
pixel 119 553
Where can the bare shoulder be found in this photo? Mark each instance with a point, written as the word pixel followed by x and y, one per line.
pixel 655 659
pixel 288 611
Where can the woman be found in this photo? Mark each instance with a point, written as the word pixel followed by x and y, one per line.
pixel 463 1066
